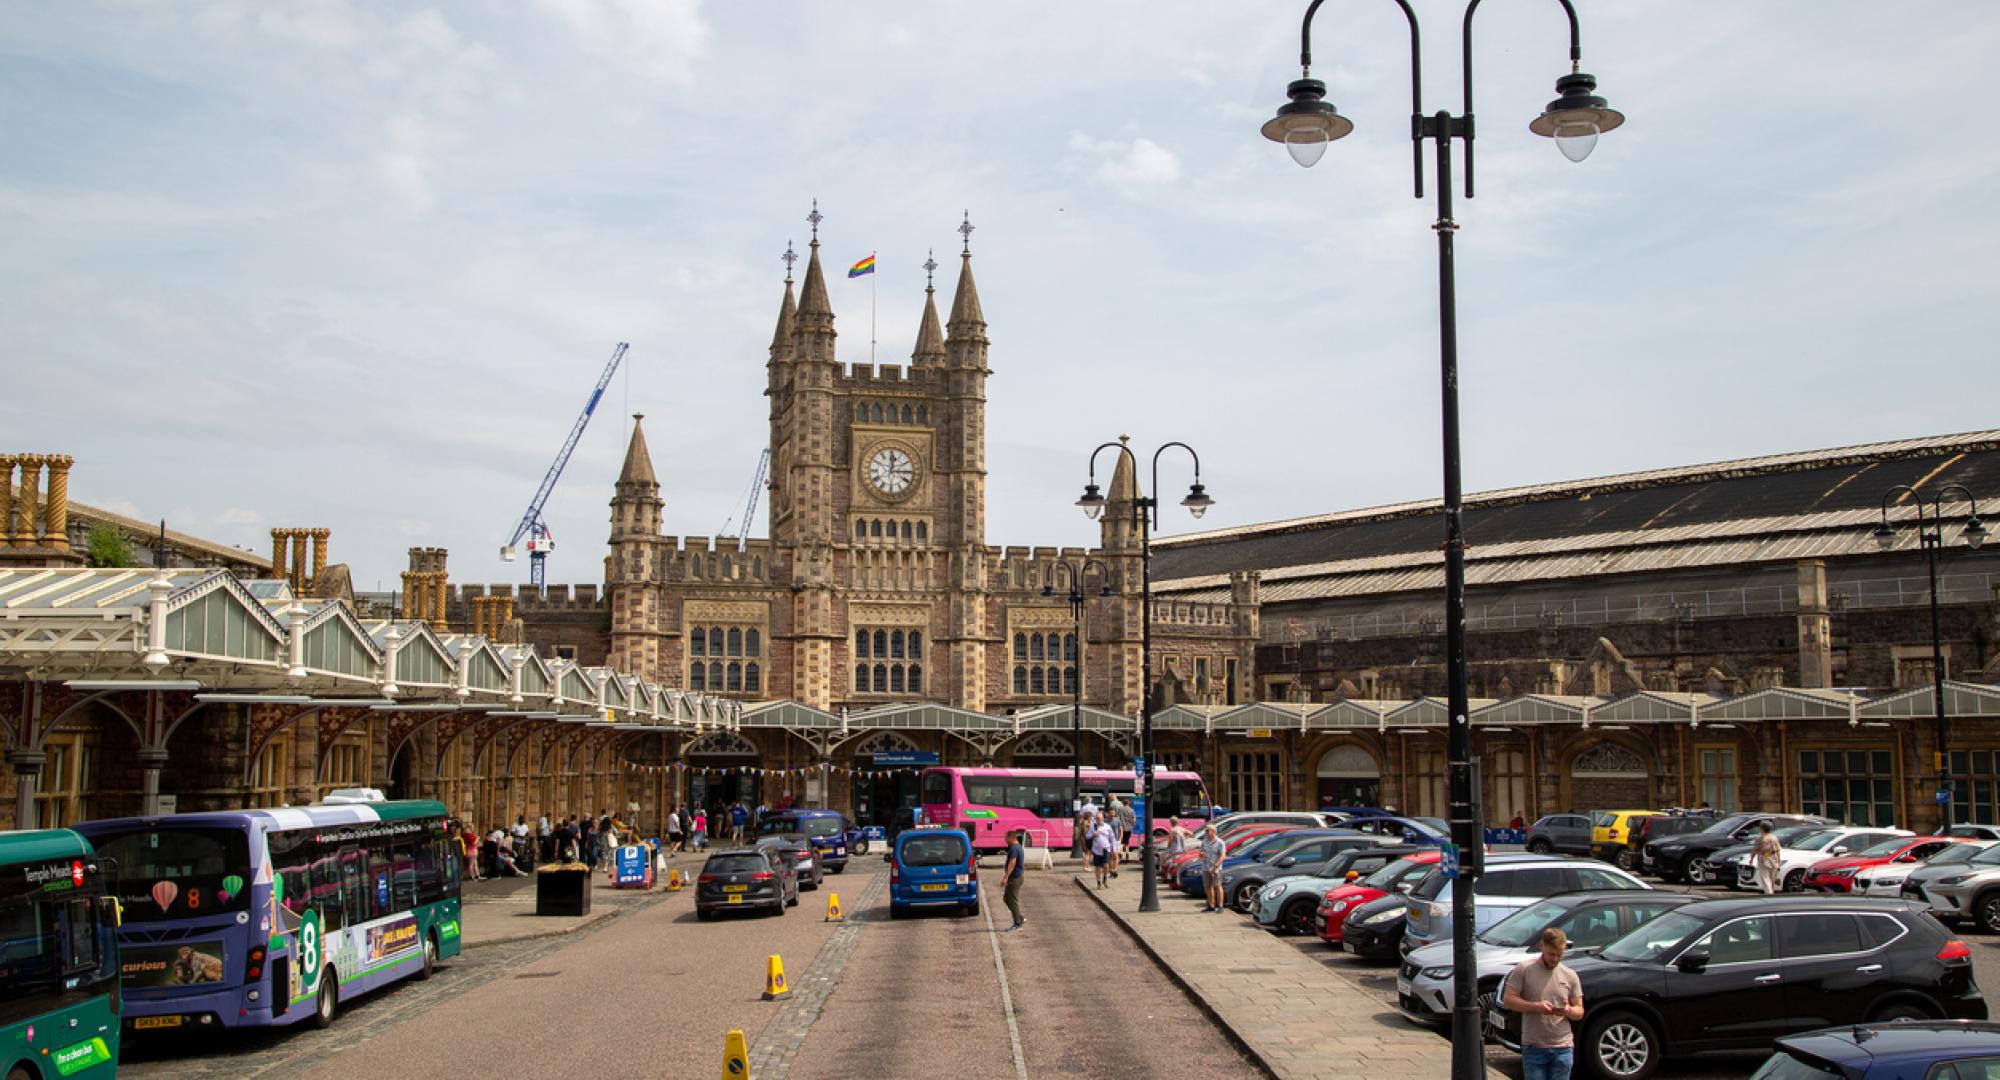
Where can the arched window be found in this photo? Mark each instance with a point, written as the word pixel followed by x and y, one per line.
pixel 875 414
pixel 895 645
pixel 906 414
pixel 715 641
pixel 916 678
pixel 906 530
pixel 715 676
pixel 757 566
pixel 1020 680
pixel 728 567
pixel 861 644
pixel 923 531
pixel 752 641
pixel 881 678
pixel 861 678
pixel 753 680
pixel 735 641
pixel 694 566
pixel 916 644
pixel 861 530
pixel 896 679
pixel 697 642
pixel 1055 680
pixel 1035 684
pixel 1069 680
pixel 697 676
pixel 735 678
pixel 1020 646
pixel 1069 646
pixel 881 644
pixel 1035 647
pixel 923 415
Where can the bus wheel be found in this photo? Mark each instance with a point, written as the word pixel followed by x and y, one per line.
pixel 328 1003
pixel 430 957
pixel 20 1072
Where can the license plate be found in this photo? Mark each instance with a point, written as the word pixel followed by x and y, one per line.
pixel 147 1022
pixel 963 879
pixel 735 899
pixel 1349 946
pixel 940 887
pixel 735 888
pixel 805 864
pixel 1402 986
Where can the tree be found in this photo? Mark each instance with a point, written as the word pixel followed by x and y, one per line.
pixel 106 546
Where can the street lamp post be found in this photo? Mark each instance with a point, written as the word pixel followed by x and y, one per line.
pixel 1145 514
pixel 1930 536
pixel 1305 125
pixel 1074 573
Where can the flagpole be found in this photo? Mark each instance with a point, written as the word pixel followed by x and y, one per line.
pixel 872 275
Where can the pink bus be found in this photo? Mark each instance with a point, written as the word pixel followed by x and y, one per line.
pixel 988 802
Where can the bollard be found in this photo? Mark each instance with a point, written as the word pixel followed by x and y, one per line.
pixel 775 988
pixel 833 907
pixel 735 1056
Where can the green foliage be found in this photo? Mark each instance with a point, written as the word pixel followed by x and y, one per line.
pixel 106 546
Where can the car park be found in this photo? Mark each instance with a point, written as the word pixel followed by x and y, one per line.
pixel 1262 849
pixel 1661 826
pixel 1611 831
pixel 932 866
pixel 1289 904
pixel 1508 884
pixel 1887 879
pixel 1170 867
pixel 1684 857
pixel 1932 1049
pixel 1799 847
pixel 1971 891
pixel 1560 834
pixel 795 847
pixel 1240 884
pixel 828 830
pixel 743 879
pixel 1395 879
pixel 1837 874
pixel 1734 975
pixel 1374 930
pixel 1590 920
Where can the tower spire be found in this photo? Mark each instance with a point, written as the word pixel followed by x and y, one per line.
pixel 638 462
pixel 967 320
pixel 930 339
pixel 815 309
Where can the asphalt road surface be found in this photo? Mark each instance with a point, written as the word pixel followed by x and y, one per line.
pixel 652 993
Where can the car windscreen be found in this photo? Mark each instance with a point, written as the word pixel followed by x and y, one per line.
pixel 1651 941
pixel 1987 856
pixel 1885 849
pixel 735 864
pixel 1429 888
pixel 820 826
pixel 1783 1065
pixel 1957 853
pixel 1790 835
pixel 1815 841
pixel 1603 819
pixel 175 873
pixel 1517 930
pixel 1725 826
pixel 945 849
pixel 1386 878
pixel 1436 825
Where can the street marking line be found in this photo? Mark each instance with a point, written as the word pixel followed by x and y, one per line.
pixel 771 1057
pixel 1006 995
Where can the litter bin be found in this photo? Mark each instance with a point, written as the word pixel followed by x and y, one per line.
pixel 562 891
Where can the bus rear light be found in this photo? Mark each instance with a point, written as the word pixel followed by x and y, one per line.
pixel 253 966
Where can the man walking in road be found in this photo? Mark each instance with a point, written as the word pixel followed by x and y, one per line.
pixel 1549 998
pixel 1016 870
pixel 737 816
pixel 1769 858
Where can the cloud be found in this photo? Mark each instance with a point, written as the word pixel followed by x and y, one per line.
pixel 328 24
pixel 1137 163
pixel 659 39
pixel 405 167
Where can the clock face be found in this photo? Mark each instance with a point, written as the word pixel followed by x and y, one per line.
pixel 891 472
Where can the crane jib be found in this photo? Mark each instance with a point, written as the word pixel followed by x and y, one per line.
pixel 595 396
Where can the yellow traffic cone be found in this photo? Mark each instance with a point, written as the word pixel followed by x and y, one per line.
pixel 673 881
pixel 775 987
pixel 735 1057
pixel 833 907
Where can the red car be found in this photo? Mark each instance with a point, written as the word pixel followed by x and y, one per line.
pixel 1333 910
pixel 1837 874
pixel 1170 867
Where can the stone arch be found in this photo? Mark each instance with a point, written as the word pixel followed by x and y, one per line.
pixel 1346 772
pixel 1043 749
pixel 885 742
pixel 79 708
pixel 720 744
pixel 1601 771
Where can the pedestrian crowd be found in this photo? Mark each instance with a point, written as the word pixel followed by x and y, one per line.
pixel 514 850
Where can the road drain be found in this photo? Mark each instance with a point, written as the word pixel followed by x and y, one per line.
pixel 538 974
pixel 1252 971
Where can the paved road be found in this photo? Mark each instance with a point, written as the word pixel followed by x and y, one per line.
pixel 652 993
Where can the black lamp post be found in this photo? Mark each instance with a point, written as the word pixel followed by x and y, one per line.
pixel 1306 124
pixel 1930 536
pixel 1074 573
pixel 1145 514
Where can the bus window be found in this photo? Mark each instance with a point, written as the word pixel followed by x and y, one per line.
pixel 1180 798
pixel 80 936
pixel 937 788
pixel 985 791
pixel 291 862
pixel 353 886
pixel 27 948
pixel 196 861
pixel 429 870
pixel 326 891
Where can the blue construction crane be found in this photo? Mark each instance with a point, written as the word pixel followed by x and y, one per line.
pixel 540 540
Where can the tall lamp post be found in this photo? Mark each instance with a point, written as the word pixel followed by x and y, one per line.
pixel 1305 125
pixel 1074 572
pixel 1930 536
pixel 1145 515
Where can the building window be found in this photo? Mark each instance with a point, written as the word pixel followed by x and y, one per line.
pixel 724 647
pixel 1717 768
pixel 861 530
pixel 68 774
pixel 1254 780
pixel 1427 783
pixel 1031 678
pixel 923 531
pixel 347 762
pixel 1507 786
pixel 697 676
pixel 267 774
pixel 1020 679
pixel 1229 681
pixel 1201 676
pixel 1854 786
pixel 1020 646
pixel 1975 780
pixel 566 652
pixel 899 674
pixel 752 641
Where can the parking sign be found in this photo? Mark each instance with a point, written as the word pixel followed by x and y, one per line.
pixel 1448 860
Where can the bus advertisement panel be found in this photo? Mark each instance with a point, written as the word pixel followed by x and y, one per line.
pixel 988 802
pixel 264 917
pixel 58 958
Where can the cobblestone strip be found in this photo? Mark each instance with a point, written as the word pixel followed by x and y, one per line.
pixel 779 1042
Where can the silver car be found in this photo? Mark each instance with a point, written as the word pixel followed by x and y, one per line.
pixel 1971 891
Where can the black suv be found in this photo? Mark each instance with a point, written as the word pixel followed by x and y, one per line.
pixel 738 879
pixel 1735 975
pixel 1682 858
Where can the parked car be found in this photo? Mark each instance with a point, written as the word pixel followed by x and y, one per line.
pixel 1261 849
pixel 1683 857
pixel 1591 920
pixel 1170 867
pixel 1240 884
pixel 1303 819
pixel 1968 892
pixel 1509 883
pixel 795 847
pixel 1916 887
pixel 1972 831
pixel 1799 847
pixel 1937 1049
pixel 828 830
pixel 1611 830
pixel 1887 879
pixel 1405 830
pixel 1560 834
pixel 1349 813
pixel 1661 826
pixel 1374 930
pixel 1289 904
pixel 932 866
pixel 1737 974
pixel 1837 874
pixel 736 879
pixel 1395 879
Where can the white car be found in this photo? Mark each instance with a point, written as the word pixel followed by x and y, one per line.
pixel 1797 857
pixel 1887 879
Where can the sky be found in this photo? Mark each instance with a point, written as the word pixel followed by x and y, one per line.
pixel 358 265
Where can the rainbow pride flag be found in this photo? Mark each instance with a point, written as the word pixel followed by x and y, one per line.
pixel 865 266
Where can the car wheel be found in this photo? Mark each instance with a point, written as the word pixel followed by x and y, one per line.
pixel 327 1004
pixel 1540 846
pixel 1795 881
pixel 1622 1046
pixel 968 909
pixel 1986 912
pixel 703 914
pixel 1296 918
pixel 1900 1010
pixel 895 912
pixel 1695 870
pixel 838 869
pixel 1246 894
pixel 859 848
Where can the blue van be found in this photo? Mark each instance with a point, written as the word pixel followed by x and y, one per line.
pixel 826 829
pixel 932 866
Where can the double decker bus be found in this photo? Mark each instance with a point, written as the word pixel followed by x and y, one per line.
pixel 988 802
pixel 253 918
pixel 58 958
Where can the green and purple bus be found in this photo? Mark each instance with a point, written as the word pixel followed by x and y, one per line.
pixel 58 959
pixel 253 918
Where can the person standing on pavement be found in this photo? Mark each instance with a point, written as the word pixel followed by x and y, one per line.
pixel 545 839
pixel 1101 837
pixel 1549 998
pixel 737 816
pixel 1016 870
pixel 1128 821
pixel 1768 857
pixel 1211 869
pixel 673 830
